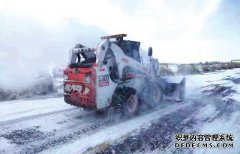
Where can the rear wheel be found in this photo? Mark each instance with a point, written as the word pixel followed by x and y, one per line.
pixel 126 101
pixel 131 105
pixel 67 99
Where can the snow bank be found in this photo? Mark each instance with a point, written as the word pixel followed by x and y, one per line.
pixel 195 68
pixel 18 86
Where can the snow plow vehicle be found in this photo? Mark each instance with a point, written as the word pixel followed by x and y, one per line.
pixel 114 75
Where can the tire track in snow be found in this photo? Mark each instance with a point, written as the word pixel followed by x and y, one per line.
pixel 158 136
pixel 86 125
pixel 32 139
pixel 32 117
pixel 116 131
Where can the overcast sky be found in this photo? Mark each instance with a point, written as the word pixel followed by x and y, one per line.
pixel 37 33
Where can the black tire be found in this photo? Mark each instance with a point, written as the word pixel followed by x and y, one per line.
pixel 131 105
pixel 118 99
pixel 67 99
pixel 157 95
pixel 125 100
pixel 152 96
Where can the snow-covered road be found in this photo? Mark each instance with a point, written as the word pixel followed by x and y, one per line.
pixel 52 126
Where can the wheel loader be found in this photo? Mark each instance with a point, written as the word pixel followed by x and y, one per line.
pixel 113 75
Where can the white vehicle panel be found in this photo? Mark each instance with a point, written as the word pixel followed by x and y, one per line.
pixel 104 87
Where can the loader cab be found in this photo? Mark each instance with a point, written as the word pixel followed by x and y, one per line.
pixel 130 48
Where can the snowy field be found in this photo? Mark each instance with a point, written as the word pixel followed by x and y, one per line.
pixel 49 125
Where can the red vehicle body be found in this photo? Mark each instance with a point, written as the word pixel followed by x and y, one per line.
pixel 82 92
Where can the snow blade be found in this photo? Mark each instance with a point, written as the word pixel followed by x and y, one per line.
pixel 176 91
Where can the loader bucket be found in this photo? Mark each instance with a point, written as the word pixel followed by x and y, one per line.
pixel 175 91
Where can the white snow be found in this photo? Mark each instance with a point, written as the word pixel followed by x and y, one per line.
pixel 196 83
pixel 21 109
pixel 223 126
pixel 229 125
pixel 115 132
pixel 11 110
pixel 207 111
pixel 4 143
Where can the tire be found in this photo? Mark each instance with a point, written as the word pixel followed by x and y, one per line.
pixel 152 96
pixel 157 95
pixel 126 101
pixel 67 99
pixel 131 105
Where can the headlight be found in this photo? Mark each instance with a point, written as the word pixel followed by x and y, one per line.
pixel 65 77
pixel 87 78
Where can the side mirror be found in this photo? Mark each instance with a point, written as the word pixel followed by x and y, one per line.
pixel 150 51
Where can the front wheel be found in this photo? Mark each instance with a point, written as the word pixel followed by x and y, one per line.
pixel 152 96
pixel 157 95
